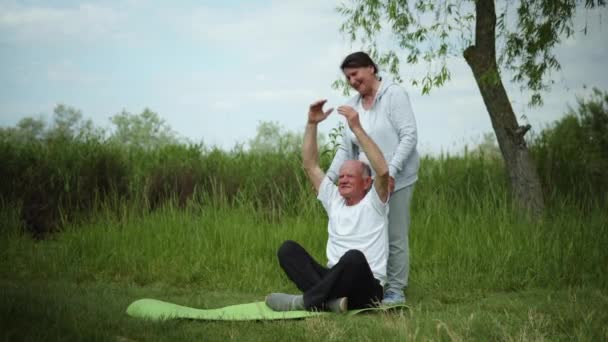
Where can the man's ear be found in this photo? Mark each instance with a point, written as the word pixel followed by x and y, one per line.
pixel 368 183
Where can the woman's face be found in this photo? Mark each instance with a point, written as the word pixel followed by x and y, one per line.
pixel 361 79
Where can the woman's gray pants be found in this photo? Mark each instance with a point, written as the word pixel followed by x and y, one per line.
pixel 398 267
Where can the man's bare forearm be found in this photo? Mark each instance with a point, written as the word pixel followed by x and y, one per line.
pixel 377 161
pixel 310 151
pixel 373 153
pixel 310 156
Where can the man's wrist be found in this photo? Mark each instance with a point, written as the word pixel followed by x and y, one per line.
pixel 392 170
pixel 357 130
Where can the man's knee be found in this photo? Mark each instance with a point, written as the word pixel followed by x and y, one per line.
pixel 288 249
pixel 354 257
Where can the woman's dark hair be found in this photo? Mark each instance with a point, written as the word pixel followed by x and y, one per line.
pixel 358 60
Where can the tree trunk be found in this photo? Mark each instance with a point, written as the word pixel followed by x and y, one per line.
pixel 481 57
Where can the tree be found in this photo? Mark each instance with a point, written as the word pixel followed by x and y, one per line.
pixel 428 30
pixel 572 153
pixel 27 129
pixel 487 148
pixel 271 137
pixel 145 130
pixel 31 128
pixel 68 123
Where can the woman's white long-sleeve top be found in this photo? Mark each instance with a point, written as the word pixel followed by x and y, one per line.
pixel 391 124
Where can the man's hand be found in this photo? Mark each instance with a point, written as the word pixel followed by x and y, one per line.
pixel 391 184
pixel 316 113
pixel 351 116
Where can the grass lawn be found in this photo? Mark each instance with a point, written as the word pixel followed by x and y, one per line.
pixel 477 274
pixel 52 310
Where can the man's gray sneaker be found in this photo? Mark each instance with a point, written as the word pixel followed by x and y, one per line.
pixel 285 302
pixel 338 305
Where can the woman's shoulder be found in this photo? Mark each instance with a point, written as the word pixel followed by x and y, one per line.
pixel 394 88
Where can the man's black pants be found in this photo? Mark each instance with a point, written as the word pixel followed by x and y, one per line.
pixel 351 277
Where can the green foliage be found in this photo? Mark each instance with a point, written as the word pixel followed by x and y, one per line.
pixel 528 47
pixel 461 240
pixel 464 237
pixel 572 154
pixel 429 31
pixel 470 180
pixel 68 123
pixel 65 173
pixel 31 129
pixel 200 226
pixel 271 137
pixel 335 137
pixel 145 130
pixel 58 180
pixel 487 148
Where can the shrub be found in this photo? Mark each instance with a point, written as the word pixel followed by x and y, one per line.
pixel 572 154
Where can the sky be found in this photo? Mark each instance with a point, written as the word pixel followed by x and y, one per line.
pixel 213 70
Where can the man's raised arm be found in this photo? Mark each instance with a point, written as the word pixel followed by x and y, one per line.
pixel 372 151
pixel 310 151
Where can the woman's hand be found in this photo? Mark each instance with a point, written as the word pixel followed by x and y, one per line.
pixel 316 113
pixel 351 116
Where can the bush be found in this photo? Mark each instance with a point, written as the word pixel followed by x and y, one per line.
pixel 572 154
pixel 58 178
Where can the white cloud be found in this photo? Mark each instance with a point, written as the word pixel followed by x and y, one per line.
pixel 223 106
pixel 260 77
pixel 281 95
pixel 85 23
pixel 260 32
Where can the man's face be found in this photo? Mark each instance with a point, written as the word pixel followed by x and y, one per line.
pixel 351 182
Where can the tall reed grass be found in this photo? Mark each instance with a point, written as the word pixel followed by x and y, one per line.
pixel 58 181
pixel 454 245
pixel 464 234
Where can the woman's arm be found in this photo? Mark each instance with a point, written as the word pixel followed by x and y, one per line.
pixel 402 118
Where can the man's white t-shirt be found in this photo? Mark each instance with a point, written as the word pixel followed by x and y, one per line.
pixel 363 226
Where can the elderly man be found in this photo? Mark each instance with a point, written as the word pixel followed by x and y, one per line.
pixel 357 246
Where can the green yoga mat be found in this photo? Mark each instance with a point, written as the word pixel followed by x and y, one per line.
pixel 156 310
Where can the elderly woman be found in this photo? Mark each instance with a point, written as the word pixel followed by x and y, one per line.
pixel 386 115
